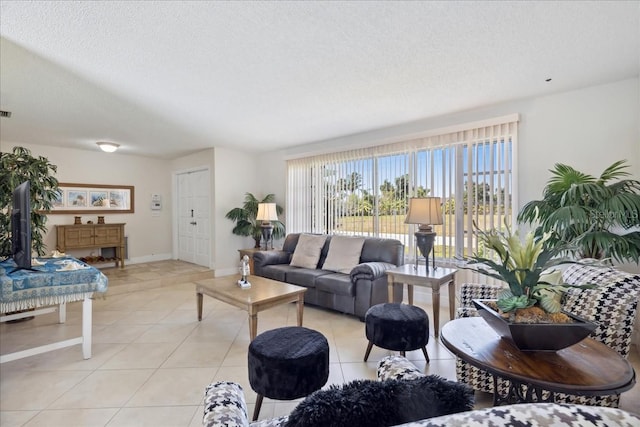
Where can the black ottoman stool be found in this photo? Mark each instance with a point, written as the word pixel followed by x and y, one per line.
pixel 398 327
pixel 287 363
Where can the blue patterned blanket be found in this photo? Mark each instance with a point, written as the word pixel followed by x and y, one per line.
pixel 57 281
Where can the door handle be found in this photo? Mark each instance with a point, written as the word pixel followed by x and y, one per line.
pixel 193 223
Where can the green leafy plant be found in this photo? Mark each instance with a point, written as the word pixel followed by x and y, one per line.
pixel 521 265
pixel 590 212
pixel 245 218
pixel 16 167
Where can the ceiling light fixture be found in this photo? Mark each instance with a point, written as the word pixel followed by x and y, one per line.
pixel 108 147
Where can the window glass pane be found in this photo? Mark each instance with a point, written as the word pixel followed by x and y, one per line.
pixel 366 191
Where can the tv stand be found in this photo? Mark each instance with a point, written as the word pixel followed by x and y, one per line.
pixel 89 236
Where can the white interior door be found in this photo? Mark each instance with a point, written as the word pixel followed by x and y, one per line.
pixel 194 224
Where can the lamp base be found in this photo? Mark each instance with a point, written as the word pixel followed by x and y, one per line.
pixel 267 234
pixel 424 242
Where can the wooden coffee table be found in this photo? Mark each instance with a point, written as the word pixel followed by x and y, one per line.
pixel 588 368
pixel 263 294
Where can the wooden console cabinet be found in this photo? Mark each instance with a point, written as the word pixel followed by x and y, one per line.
pixel 84 236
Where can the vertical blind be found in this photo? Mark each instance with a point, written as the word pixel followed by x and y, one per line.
pixel 365 191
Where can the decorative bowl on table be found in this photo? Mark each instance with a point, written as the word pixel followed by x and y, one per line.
pixel 536 336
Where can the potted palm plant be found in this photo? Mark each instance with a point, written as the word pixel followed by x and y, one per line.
pixel 18 166
pixel 245 218
pixel 529 310
pixel 596 214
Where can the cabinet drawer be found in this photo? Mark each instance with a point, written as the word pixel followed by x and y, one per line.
pixel 107 235
pixel 78 237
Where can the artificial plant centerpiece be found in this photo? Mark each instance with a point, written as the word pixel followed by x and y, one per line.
pixel 521 265
pixel 531 299
pixel 245 218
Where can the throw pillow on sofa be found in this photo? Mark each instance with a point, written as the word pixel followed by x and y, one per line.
pixel 307 251
pixel 382 403
pixel 344 254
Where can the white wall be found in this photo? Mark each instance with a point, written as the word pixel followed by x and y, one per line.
pixel 236 173
pixel 149 237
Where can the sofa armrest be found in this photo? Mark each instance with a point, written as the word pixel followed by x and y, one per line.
pixel 369 270
pixel 263 258
pixel 397 368
pixel 224 404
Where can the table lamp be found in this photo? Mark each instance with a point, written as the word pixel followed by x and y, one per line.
pixel 266 214
pixel 425 211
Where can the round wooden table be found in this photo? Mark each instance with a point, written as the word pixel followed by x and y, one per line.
pixel 588 368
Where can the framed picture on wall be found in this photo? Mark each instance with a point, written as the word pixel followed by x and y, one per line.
pixel 93 198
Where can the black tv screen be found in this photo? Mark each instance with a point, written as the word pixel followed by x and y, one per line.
pixel 21 226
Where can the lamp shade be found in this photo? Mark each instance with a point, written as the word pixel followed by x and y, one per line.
pixel 267 212
pixel 424 210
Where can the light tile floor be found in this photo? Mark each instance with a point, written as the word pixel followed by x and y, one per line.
pixel 152 358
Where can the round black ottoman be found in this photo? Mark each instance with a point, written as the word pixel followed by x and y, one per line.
pixel 287 363
pixel 398 327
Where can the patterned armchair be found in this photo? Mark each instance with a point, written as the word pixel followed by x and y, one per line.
pixel 612 305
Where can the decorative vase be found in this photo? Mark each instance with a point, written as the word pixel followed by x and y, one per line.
pixel 77 220
pixel 536 336
pixel 100 220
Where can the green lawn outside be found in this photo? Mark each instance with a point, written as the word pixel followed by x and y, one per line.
pixel 394 224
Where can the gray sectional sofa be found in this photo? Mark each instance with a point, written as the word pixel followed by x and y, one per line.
pixel 352 293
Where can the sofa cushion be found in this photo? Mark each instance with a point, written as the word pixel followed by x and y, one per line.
pixel 381 403
pixel 344 254
pixel 307 252
pixel 336 283
pixel 275 271
pixel 304 276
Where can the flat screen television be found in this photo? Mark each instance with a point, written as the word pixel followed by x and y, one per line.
pixel 21 227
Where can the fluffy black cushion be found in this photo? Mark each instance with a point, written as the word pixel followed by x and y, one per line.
pixel 371 403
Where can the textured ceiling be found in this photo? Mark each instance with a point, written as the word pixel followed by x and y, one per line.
pixel 167 78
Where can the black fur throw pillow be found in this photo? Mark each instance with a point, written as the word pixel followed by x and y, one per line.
pixel 369 403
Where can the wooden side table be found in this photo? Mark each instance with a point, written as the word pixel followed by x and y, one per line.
pixel 588 368
pixel 434 279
